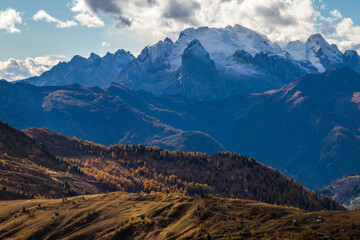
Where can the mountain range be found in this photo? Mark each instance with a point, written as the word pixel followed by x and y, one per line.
pixel 294 109
pixel 205 64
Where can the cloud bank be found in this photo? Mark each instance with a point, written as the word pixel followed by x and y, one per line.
pixel 281 20
pixel 13 69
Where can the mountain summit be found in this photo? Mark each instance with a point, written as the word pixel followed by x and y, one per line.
pixel 199 77
pixel 317 51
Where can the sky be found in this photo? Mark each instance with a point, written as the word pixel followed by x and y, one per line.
pixel 35 35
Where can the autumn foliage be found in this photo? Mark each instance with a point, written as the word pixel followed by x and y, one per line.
pixel 136 168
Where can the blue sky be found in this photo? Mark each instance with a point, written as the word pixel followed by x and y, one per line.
pixel 348 8
pixel 39 38
pixel 36 43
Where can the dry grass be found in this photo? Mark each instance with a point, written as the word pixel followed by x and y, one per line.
pixel 132 216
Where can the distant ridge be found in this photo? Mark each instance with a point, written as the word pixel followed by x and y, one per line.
pixel 92 71
pixel 110 115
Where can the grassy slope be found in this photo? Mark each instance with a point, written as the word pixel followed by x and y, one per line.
pixel 172 217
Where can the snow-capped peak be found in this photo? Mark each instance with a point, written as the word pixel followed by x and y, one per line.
pixel 317 42
pixel 244 60
pixel 296 50
pixel 220 43
pixel 316 50
pixel 230 39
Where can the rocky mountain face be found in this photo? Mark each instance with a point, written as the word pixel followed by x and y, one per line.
pixel 198 74
pixel 92 71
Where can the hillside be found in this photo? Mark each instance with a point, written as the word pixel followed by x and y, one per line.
pixel 308 129
pixel 138 169
pixel 28 171
pixel 158 216
pixel 112 115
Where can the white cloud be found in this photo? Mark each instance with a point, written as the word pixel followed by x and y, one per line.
pixel 336 14
pixel 347 29
pixel 8 19
pixel 105 44
pixel 348 33
pixel 85 15
pixel 341 31
pixel 44 16
pixel 89 20
pixel 13 69
pixel 281 20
